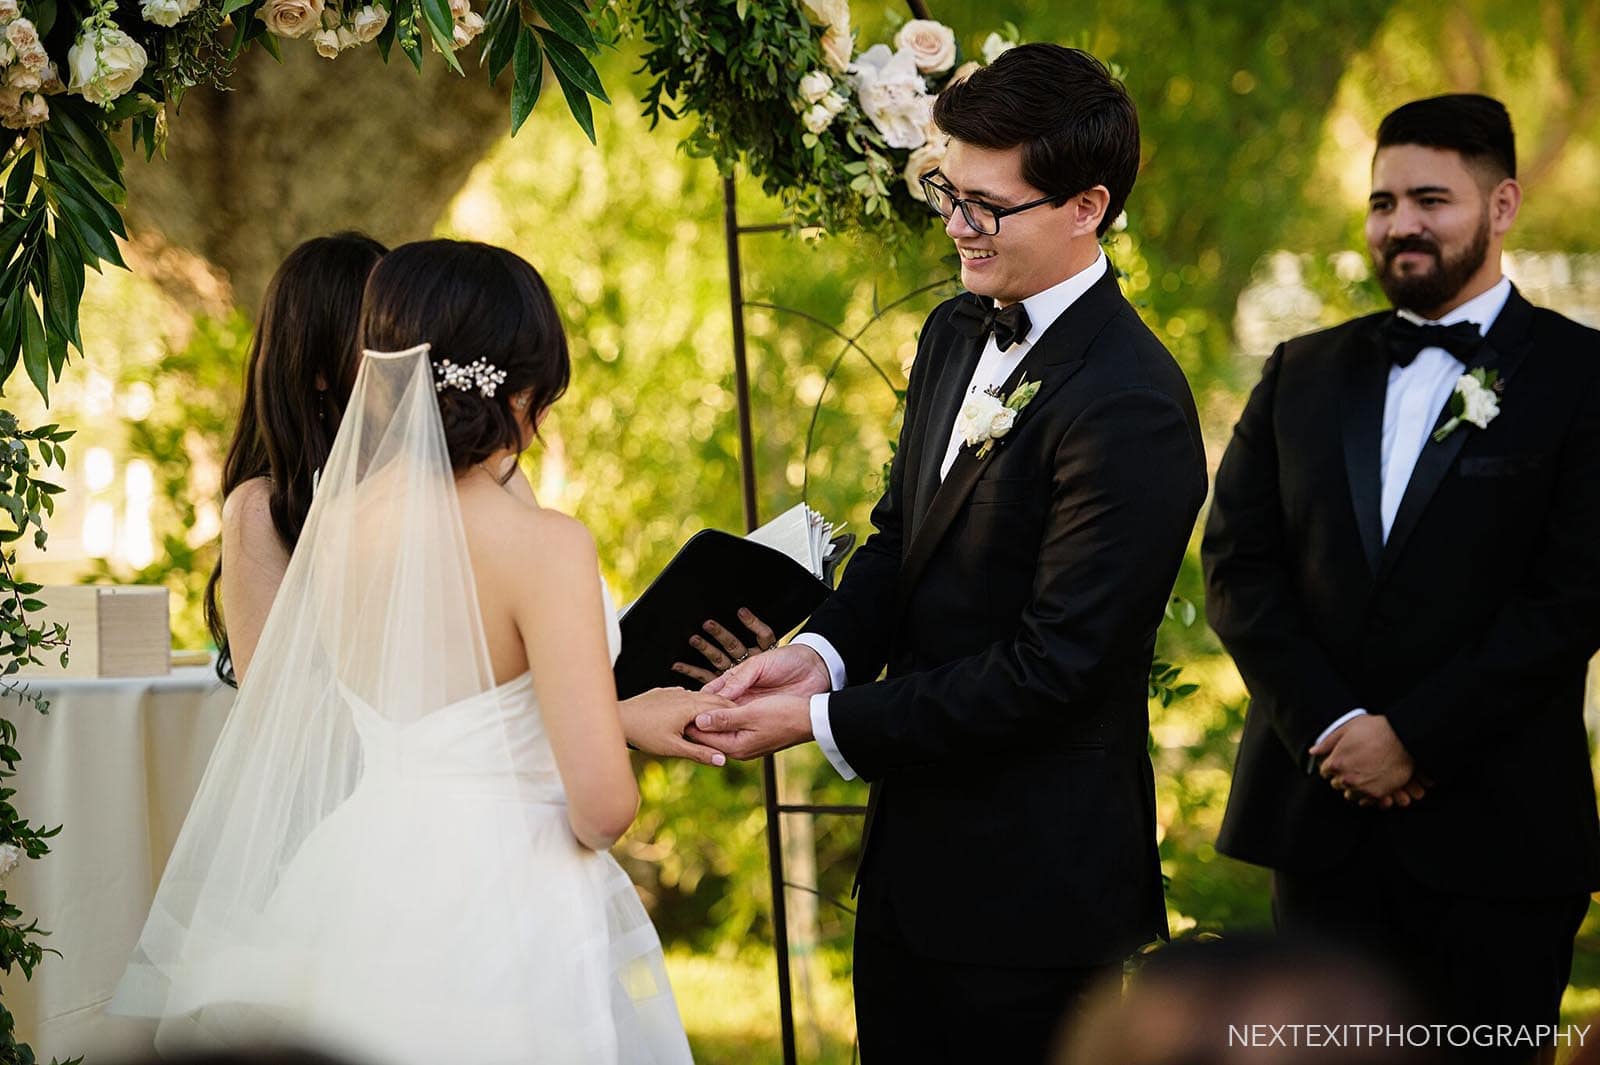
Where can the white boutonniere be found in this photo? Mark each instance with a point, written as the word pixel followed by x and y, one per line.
pixel 1475 401
pixel 986 417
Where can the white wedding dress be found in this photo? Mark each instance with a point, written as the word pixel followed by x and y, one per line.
pixel 378 861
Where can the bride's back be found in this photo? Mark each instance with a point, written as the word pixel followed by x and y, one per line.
pixel 498 359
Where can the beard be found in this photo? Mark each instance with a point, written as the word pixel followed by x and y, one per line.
pixel 1421 292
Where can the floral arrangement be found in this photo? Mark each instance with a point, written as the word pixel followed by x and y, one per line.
pixel 73 72
pixel 843 141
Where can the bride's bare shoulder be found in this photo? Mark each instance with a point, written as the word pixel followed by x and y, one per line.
pixel 247 518
pixel 520 536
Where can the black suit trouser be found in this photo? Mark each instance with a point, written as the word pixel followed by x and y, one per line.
pixel 1473 960
pixel 917 1010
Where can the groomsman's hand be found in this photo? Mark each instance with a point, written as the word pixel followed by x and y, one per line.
pixel 756 727
pixel 1413 791
pixel 792 670
pixel 655 722
pixel 1364 759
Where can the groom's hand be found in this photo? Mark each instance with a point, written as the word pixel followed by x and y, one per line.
pixel 1364 759
pixel 792 670
pixel 757 727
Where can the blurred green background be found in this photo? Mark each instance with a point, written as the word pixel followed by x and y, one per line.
pixel 1244 228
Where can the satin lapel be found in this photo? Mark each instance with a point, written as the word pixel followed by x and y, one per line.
pixel 1366 381
pixel 1055 357
pixel 1503 350
pixel 944 402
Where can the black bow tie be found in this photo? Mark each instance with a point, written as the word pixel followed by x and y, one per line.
pixel 975 318
pixel 1404 338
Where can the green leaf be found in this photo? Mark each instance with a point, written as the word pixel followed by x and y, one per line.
pixel 18 183
pixel 503 45
pixel 386 36
pixel 35 358
pixel 571 25
pixel 572 65
pixel 412 47
pixel 527 72
pixel 75 118
pixel 577 102
pixel 442 25
pixel 68 183
pixel 230 6
pixel 44 16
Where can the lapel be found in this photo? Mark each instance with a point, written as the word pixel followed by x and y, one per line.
pixel 1366 380
pixel 944 401
pixel 1503 349
pixel 1056 356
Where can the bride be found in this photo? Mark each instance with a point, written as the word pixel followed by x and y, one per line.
pixel 399 846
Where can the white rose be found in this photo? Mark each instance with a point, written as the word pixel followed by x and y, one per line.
pixel 1001 421
pixel 347 38
pixel 104 64
pixel 327 42
pixel 10 856
pixel 834 102
pixel 7 53
pixel 924 159
pixel 11 101
pixel 977 418
pixel 291 18
pixel 994 46
pixel 893 96
pixel 369 22
pixel 9 9
pixel 34 58
pixel 838 45
pixel 50 79
pixel 1480 405
pixel 814 86
pixel 817 118
pixel 162 12
pixel 459 8
pixel 827 12
pixel 931 44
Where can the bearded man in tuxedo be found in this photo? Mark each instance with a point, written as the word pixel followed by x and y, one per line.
pixel 1021 565
pixel 1403 558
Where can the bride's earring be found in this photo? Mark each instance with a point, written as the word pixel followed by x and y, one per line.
pixel 520 403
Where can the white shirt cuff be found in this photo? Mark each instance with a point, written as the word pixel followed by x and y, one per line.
pixel 822 731
pixel 830 657
pixel 1330 730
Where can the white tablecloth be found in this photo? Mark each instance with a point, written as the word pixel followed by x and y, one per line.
pixel 115 762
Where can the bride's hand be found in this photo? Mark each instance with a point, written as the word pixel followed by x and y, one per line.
pixel 728 650
pixel 655 721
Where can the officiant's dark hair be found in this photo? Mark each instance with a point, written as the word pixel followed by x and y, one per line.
pixel 1075 123
pixel 471 301
pixel 302 365
pixel 1476 126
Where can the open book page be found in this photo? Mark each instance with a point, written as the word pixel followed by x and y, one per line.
pixel 799 532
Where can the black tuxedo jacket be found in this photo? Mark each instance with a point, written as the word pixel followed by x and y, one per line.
pixel 1470 628
pixel 1015 606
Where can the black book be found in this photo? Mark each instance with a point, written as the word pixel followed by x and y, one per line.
pixel 711 577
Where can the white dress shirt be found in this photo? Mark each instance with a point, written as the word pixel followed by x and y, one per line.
pixel 1411 406
pixel 994 366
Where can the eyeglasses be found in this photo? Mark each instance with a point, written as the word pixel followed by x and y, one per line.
pixel 982 217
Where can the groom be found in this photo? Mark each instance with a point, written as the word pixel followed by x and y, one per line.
pixel 1406 569
pixel 1013 589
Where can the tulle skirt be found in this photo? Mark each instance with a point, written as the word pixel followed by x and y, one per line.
pixel 458 922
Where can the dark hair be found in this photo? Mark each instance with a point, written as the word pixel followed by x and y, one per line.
pixel 306 331
pixel 1076 124
pixel 1478 127
pixel 471 301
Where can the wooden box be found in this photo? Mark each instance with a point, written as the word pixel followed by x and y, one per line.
pixel 115 630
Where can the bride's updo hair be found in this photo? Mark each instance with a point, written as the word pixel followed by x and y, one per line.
pixel 471 302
